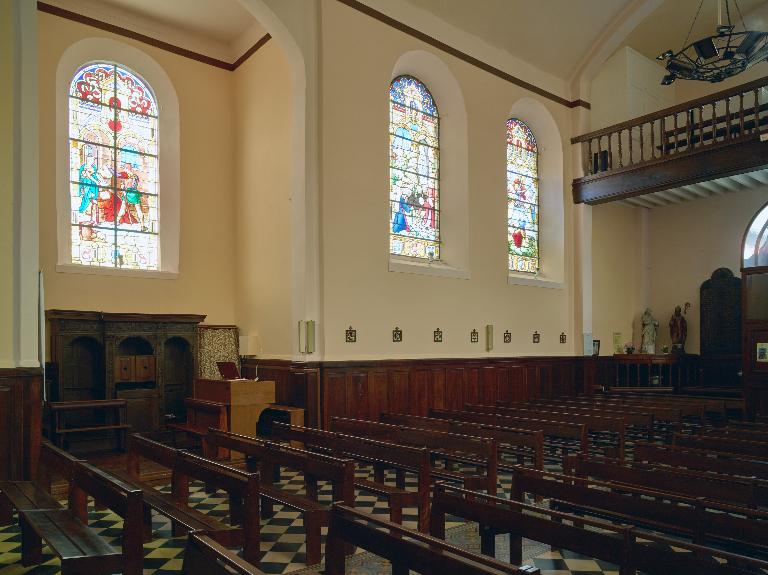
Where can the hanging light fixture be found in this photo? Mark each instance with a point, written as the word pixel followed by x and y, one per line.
pixel 716 57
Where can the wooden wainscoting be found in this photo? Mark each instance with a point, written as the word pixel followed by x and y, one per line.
pixel 364 389
pixel 20 424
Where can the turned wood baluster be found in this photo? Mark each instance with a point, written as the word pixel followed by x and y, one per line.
pixel 663 136
pixel 714 122
pixel 757 111
pixel 741 114
pixel 621 154
pixel 675 127
pixel 701 125
pixel 642 145
pixel 727 118
pixel 585 157
pixel 653 139
pixel 631 155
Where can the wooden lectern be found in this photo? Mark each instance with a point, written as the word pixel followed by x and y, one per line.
pixel 245 400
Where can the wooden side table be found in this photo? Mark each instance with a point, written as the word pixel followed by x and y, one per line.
pixel 297 418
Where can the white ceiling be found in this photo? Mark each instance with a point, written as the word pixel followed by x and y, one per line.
pixel 668 25
pixel 718 187
pixel 553 35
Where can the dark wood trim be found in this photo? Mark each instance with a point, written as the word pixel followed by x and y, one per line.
pixel 463 56
pixel 73 314
pixel 168 47
pixel 20 422
pixel 250 52
pixel 727 158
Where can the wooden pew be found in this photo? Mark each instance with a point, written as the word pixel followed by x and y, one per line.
pixel 712 405
pixel 598 423
pixel 566 432
pixel 661 408
pixel 242 488
pixel 404 548
pixel 705 522
pixel 203 556
pixel 265 455
pixel 114 419
pixel 31 495
pixel 726 488
pixel 715 443
pixel 746 434
pixel 381 456
pixel 478 452
pixel 701 460
pixel 618 544
pixel 657 413
pixel 66 531
pixel 634 417
pixel 531 442
pixel 202 414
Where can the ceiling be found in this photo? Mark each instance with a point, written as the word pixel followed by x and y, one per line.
pixel 718 187
pixel 553 35
pixel 667 26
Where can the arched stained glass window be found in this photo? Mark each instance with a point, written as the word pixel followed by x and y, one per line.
pixel 522 198
pixel 113 168
pixel 414 176
pixel 756 241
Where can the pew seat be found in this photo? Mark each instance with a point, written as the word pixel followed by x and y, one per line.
pixel 80 548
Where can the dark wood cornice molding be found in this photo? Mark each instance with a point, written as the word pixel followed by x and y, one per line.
pixel 168 47
pixel 20 372
pixel 72 314
pixel 463 56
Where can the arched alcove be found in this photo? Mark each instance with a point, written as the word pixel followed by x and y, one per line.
pixel 178 372
pixel 551 199
pixel 106 49
pixel 454 153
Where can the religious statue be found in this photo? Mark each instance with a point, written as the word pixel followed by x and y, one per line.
pixel 650 327
pixel 678 329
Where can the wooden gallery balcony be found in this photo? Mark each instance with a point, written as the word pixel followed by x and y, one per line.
pixel 714 137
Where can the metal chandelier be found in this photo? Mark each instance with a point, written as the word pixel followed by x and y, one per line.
pixel 717 57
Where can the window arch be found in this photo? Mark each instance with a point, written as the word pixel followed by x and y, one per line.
pixel 414 184
pixel 522 198
pixel 756 241
pixel 113 169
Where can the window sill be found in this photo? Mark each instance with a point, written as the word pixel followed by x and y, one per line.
pixel 534 281
pixel 437 269
pixel 76 269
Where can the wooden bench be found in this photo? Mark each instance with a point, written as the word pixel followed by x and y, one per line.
pixel 66 531
pixel 203 556
pixel 407 550
pixel 705 522
pixel 381 456
pixel 202 414
pixel 242 488
pixel 265 455
pixel 737 491
pixel 701 460
pixel 594 423
pixel 622 545
pixel 480 453
pixel 114 412
pixel 716 443
pixel 520 443
pixel 31 495
pixel 560 435
pixel 660 413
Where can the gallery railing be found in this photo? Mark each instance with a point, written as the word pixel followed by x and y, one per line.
pixel 719 119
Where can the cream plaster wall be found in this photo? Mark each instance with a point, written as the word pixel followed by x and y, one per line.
pixel 263 180
pixel 617 237
pixel 206 282
pixel 7 154
pixel 687 242
pixel 358 56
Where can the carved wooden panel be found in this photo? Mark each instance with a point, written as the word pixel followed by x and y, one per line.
pixel 720 314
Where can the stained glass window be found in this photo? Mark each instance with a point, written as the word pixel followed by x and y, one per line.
pixel 522 198
pixel 756 241
pixel 113 164
pixel 414 178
